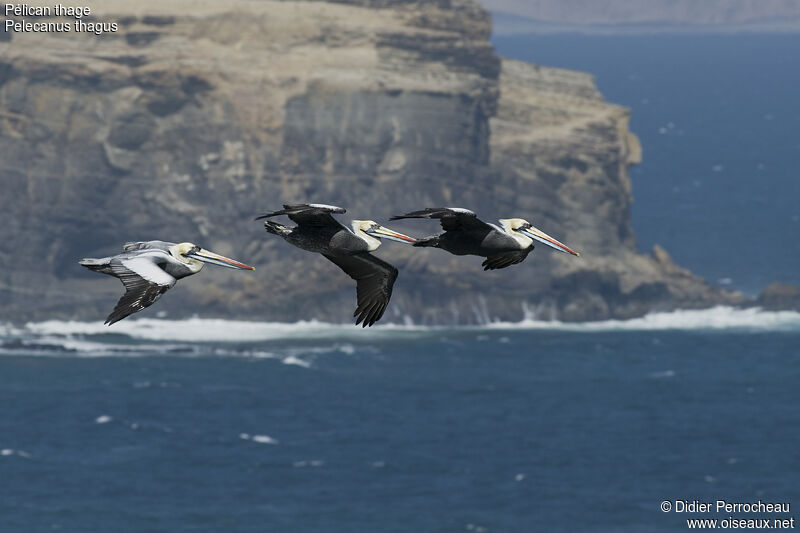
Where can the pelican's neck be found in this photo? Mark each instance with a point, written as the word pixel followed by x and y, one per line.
pixel 372 242
pixel 523 241
pixel 195 266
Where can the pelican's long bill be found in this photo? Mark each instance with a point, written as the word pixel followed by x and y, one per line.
pixel 215 259
pixel 539 235
pixel 385 233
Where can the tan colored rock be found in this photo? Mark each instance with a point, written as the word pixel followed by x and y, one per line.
pixel 780 297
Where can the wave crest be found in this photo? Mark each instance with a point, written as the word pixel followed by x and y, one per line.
pixel 721 318
pixel 188 337
pixel 220 330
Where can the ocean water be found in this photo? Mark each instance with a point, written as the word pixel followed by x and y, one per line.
pixel 208 425
pixel 719 121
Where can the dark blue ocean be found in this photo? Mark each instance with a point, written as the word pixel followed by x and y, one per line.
pixel 211 426
pixel 166 426
pixel 718 117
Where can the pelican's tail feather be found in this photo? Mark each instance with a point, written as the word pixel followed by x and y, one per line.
pixel 428 241
pixel 98 265
pixel 277 229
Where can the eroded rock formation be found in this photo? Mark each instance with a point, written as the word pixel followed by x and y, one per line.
pixel 195 117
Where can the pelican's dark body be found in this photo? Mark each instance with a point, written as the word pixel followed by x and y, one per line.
pixel 466 234
pixel 483 242
pixel 317 231
pixel 328 240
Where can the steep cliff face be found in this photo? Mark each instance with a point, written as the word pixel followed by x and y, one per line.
pixel 193 118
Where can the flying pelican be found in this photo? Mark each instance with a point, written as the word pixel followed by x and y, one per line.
pixel 349 249
pixel 466 234
pixel 149 269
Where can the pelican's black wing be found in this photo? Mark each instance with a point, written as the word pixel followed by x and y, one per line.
pixel 309 214
pixel 144 282
pixel 374 280
pixel 451 218
pixel 505 259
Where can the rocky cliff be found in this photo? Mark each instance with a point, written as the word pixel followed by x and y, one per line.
pixel 194 117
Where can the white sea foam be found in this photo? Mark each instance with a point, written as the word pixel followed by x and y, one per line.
pixel 349 349
pixel 313 463
pixel 293 360
pixel 716 318
pixel 205 330
pixel 180 337
pixel 8 330
pixel 261 439
pixel 103 419
pixel 264 439
pixel 8 452
pixel 28 341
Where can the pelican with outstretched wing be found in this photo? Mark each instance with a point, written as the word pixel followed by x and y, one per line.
pixel 348 248
pixel 466 234
pixel 149 269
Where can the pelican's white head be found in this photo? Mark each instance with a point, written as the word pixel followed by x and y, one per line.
pixel 525 233
pixel 194 257
pixel 372 233
pixel 181 252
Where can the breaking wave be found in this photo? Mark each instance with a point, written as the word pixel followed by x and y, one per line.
pixel 721 318
pixel 309 339
pixel 218 330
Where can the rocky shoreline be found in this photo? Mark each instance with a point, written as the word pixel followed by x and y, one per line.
pixel 194 117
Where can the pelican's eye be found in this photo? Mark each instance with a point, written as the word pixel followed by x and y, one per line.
pixel 193 250
pixel 374 227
